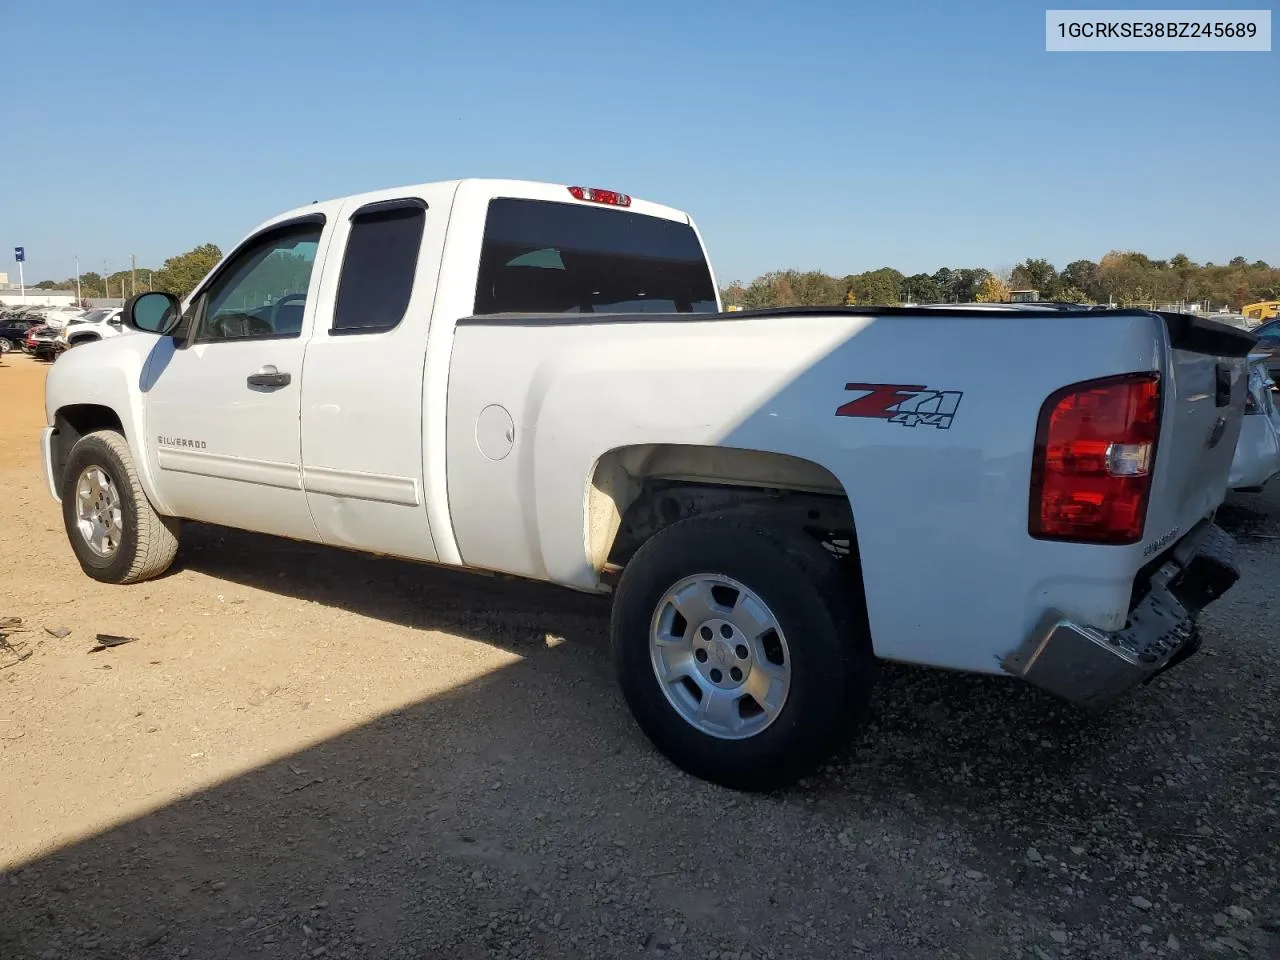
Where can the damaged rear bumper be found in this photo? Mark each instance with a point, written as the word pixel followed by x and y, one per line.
pixel 1094 668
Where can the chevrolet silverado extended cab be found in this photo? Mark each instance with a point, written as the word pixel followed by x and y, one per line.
pixel 538 380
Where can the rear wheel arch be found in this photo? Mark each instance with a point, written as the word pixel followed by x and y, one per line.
pixel 637 491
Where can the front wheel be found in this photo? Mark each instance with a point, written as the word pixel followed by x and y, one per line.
pixel 114 531
pixel 738 652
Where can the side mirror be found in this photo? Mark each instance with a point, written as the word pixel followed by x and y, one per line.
pixel 117 320
pixel 153 312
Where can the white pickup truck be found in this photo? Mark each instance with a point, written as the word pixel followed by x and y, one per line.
pixel 538 380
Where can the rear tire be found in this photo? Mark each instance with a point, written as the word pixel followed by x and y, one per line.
pixel 740 582
pixel 114 531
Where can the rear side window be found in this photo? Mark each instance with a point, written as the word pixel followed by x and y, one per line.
pixel 541 256
pixel 378 266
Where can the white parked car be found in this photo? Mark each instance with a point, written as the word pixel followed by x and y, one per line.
pixel 539 380
pixel 1257 457
pixel 57 318
pixel 97 324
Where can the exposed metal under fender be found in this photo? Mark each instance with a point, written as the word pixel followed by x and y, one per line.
pixel 1094 668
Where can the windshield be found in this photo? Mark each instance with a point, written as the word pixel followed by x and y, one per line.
pixel 92 316
pixel 540 256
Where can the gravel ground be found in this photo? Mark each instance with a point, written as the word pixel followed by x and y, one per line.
pixel 310 753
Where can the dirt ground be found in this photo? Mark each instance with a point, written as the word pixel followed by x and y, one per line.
pixel 311 753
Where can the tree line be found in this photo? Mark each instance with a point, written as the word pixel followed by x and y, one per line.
pixel 178 275
pixel 1123 277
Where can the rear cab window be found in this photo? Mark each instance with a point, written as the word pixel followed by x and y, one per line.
pixel 544 256
pixel 379 266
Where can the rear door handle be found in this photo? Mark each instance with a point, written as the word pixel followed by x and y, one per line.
pixel 269 377
pixel 1222 376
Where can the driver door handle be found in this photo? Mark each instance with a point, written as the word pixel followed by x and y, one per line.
pixel 268 377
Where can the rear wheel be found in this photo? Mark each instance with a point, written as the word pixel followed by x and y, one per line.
pixel 737 651
pixel 114 531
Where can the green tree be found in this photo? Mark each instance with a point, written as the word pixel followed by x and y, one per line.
pixel 921 288
pixel 970 281
pixel 180 274
pixel 1082 275
pixel 883 287
pixel 1039 275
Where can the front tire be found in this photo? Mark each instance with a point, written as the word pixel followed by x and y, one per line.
pixel 114 531
pixel 738 652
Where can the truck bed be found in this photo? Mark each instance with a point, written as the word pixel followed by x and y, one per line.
pixel 940 499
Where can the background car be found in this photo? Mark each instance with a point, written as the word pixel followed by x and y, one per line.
pixel 40 342
pixel 1268 335
pixel 13 330
pixel 1257 456
pixel 97 324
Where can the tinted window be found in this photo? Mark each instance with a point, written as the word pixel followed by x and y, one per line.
pixel 540 256
pixel 263 291
pixel 378 267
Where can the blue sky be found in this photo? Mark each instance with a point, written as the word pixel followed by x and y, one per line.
pixel 828 135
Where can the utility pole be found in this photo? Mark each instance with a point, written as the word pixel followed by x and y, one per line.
pixel 77 281
pixel 133 275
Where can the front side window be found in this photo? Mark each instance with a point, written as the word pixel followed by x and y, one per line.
pixel 379 266
pixel 541 256
pixel 262 293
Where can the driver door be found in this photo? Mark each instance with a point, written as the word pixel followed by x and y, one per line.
pixel 222 408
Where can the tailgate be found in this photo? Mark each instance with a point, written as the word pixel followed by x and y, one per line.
pixel 1204 390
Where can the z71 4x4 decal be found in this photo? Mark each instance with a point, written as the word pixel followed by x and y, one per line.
pixel 910 406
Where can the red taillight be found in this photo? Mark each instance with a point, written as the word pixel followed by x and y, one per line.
pixel 611 197
pixel 1095 450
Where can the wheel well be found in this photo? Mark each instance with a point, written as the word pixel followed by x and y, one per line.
pixel 636 491
pixel 83 338
pixel 73 422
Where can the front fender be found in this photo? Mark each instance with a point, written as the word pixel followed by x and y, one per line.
pixel 109 374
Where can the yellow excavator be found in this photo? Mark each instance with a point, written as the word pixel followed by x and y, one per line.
pixel 1261 311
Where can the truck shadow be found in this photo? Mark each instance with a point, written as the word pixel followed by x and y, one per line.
pixel 956 742
pixel 525 807
pixel 504 611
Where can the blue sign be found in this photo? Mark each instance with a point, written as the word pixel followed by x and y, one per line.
pixel 20 254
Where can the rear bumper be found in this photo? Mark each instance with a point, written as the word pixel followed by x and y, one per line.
pixel 1094 668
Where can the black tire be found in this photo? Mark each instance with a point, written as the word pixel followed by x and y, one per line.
pixel 832 665
pixel 148 541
